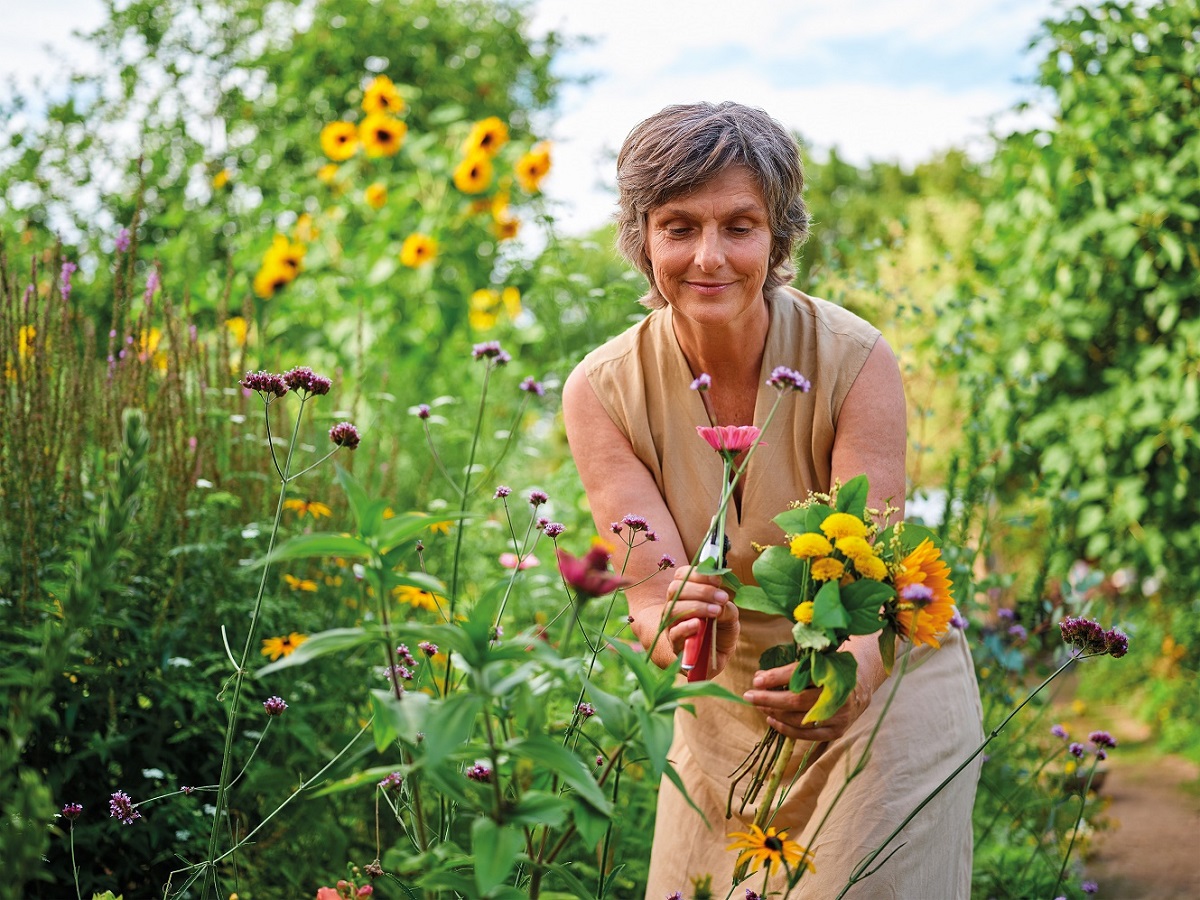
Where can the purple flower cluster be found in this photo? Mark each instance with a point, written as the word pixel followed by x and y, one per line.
pixel 753 895
pixel 554 529
pixel 399 673
pixel 122 241
pixel 122 808
pixel 702 383
pixel 392 781
pixel 68 269
pixel 275 706
pixel 1076 749
pixel 267 384
pixel 304 380
pixel 585 710
pixel 1018 632
pixel 72 811
pixel 501 492
pixel 1089 887
pixel 345 435
pixel 423 411
pixel 152 283
pixel 784 378
pixel 537 498
pixel 405 656
pixel 492 351
pixel 1059 732
pixel 917 594
pixel 675 895
pixel 1089 639
pixel 428 648
pixel 959 621
pixel 479 772
pixel 666 561
pixel 533 387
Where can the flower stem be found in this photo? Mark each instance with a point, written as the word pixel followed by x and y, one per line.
pixel 1078 818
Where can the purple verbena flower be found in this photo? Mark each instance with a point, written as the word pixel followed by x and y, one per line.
pixel 636 523
pixel 554 529
pixel 599 760
pixel 1059 732
pixel 918 594
pixel 399 673
pixel 304 380
pixel 1076 749
pixel 533 387
pixel 615 527
pixel 68 269
pixel 675 895
pixel 71 811
pixel 959 621
pixel 541 522
pixel 122 808
pixel 345 435
pixel 392 781
pixel 405 656
pixel 585 710
pixel 268 385
pixel 423 411
pixel 501 492
pixel 1102 739
pixel 1086 636
pixel 753 895
pixel 274 706
pixel 479 772
pixel 152 283
pixel 428 648
pixel 1116 643
pixel 1006 615
pixel 537 498
pixel 1089 887
pixel 1018 631
pixel 702 383
pixel 187 790
pixel 492 351
pixel 121 243
pixel 666 561
pixel 783 378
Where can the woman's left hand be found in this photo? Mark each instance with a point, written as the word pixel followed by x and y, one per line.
pixel 785 709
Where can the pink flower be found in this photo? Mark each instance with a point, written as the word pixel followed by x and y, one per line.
pixel 512 561
pixel 589 574
pixel 328 893
pixel 731 439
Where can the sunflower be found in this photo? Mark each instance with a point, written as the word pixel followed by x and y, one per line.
pixel 926 567
pixel 339 140
pixel 416 597
pixel 827 569
pixel 771 847
pixel 381 96
pixel 282 646
pixel 381 135
pixel 486 137
pixel 474 173
pixel 272 277
pixel 288 254
pixel 505 225
pixel 843 525
pixel 417 250
pixel 376 195
pixel 809 545
pixel 533 167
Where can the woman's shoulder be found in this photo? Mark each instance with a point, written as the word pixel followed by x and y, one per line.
pixel 629 343
pixel 827 316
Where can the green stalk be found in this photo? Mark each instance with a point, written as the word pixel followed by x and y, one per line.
pixel 1078 818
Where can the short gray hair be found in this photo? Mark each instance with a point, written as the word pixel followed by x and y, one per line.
pixel 681 148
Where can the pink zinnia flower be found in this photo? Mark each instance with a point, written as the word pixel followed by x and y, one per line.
pixel 512 561
pixel 731 439
pixel 589 574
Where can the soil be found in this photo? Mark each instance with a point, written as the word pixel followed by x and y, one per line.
pixel 1151 850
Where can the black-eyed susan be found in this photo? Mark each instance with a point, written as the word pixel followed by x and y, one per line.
pixel 381 135
pixel 327 173
pixel 276 647
pixel 300 584
pixel 924 567
pixel 533 167
pixel 376 195
pixel 771 847
pixel 238 330
pixel 221 179
pixel 483 309
pixel 288 254
pixel 339 140
pixel 272 277
pixel 415 597
pixel 381 96
pixel 313 508
pixel 505 226
pixel 441 527
pixel 487 136
pixel 417 250
pixel 510 297
pixel 474 173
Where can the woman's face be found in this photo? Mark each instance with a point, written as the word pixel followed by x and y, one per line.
pixel 710 250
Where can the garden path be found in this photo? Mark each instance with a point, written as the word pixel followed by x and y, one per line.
pixel 1152 849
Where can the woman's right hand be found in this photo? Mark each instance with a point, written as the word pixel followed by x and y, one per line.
pixel 690 600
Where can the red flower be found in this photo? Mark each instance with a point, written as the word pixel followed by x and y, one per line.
pixel 731 439
pixel 589 574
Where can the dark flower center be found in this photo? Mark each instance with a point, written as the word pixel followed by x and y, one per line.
pixel 774 844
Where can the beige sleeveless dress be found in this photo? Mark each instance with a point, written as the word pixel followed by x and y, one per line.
pixel 642 379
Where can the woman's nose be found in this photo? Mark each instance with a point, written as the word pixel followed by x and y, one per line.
pixel 710 253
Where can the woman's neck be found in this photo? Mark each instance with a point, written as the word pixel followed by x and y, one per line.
pixel 732 356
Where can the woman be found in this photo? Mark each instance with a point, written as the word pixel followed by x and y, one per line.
pixel 710 210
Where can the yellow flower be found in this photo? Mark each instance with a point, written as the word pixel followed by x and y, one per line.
pixel 925 566
pixel 381 135
pixel 238 329
pixel 771 847
pixel 376 195
pixel 270 278
pixel 300 584
pixel 486 137
pixel 26 335
pixel 381 96
pixel 441 527
pixel 533 167
pixel 810 545
pixel 220 179
pixel 474 173
pixel 282 646
pixel 327 173
pixel 843 525
pixel 339 140
pixel 511 298
pixel 505 226
pixel 416 597
pixel 803 613
pixel 417 250
pixel 871 567
pixel 855 548
pixel 483 309
pixel 313 508
pixel 288 254
pixel 827 569
pixel 304 230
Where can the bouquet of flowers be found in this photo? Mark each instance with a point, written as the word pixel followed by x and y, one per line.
pixel 839 573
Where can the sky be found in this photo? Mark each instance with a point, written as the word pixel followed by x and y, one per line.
pixel 878 79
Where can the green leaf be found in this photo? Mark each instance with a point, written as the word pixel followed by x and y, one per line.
pixel 335 640
pixel 862 599
pixel 615 714
pixel 324 543
pixel 449 723
pixel 402 717
pixel 538 808
pixel 828 611
pixel 887 648
pixel 754 598
pixel 566 765
pixel 779 655
pixel 495 850
pixel 803 519
pixel 646 673
pixel 782 578
pixel 368 513
pixel 852 496
pixel 658 730
pixel 590 823
pixel 408 526
pixel 836 674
